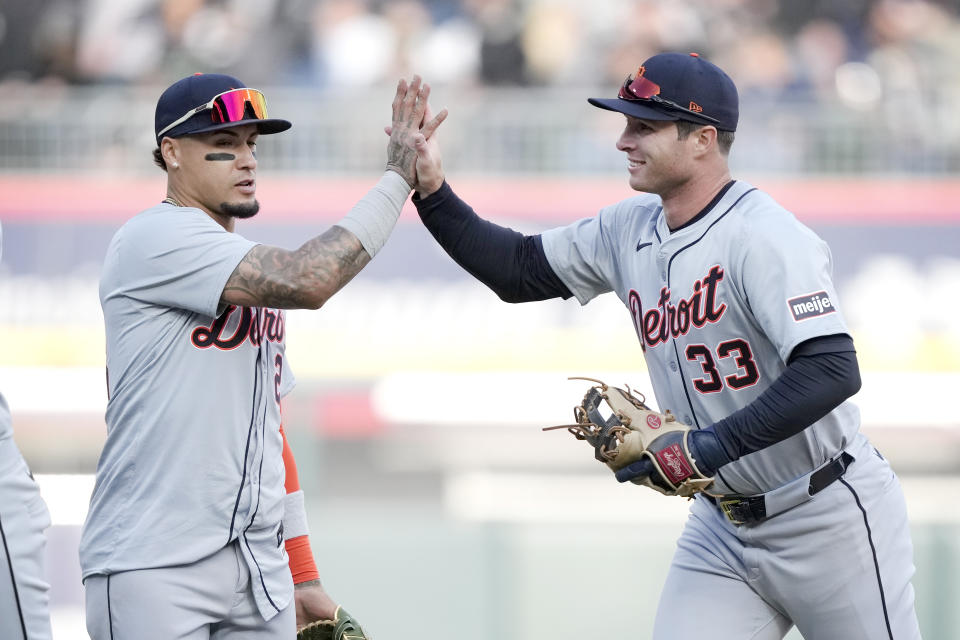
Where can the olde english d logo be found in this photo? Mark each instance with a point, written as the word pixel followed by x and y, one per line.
pixel 810 305
pixel 254 324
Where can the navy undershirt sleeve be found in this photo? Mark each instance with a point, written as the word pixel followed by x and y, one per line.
pixel 821 373
pixel 512 264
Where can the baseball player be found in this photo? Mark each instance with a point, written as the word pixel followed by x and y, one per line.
pixel 733 303
pixel 24 591
pixel 196 527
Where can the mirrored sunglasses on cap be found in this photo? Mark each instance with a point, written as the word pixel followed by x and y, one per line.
pixel 640 88
pixel 229 106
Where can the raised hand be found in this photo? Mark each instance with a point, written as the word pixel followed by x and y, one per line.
pixel 429 166
pixel 410 109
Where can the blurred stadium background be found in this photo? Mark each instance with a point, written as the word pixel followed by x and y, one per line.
pixel 438 507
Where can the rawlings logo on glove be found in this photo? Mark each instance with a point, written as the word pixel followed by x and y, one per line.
pixel 639 444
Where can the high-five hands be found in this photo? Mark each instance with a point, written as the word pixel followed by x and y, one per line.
pixel 429 165
pixel 412 127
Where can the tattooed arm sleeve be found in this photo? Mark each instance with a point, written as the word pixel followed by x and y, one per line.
pixel 302 279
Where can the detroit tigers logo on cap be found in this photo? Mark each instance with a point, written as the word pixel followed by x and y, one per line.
pixel 810 305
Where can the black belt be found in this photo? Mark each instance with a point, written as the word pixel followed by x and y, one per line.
pixel 753 509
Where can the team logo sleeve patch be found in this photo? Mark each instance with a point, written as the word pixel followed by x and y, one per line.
pixel 810 305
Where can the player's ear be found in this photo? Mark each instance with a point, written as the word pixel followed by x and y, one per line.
pixel 170 150
pixel 705 139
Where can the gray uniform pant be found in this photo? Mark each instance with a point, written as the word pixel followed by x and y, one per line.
pixel 836 566
pixel 24 593
pixel 209 599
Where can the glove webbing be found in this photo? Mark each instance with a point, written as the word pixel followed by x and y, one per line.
pixel 342 627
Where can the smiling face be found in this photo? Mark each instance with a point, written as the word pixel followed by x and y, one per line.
pixel 215 171
pixel 657 160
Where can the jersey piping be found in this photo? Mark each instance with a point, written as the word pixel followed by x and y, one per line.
pixel 710 205
pixel 873 554
pixel 683 378
pixel 246 542
pixel 670 265
pixel 246 452
pixel 109 611
pixel 13 580
pixel 263 426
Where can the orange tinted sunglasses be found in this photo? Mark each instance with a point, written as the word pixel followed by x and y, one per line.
pixel 229 106
pixel 641 89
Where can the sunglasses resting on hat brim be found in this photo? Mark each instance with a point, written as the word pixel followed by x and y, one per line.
pixel 230 108
pixel 640 97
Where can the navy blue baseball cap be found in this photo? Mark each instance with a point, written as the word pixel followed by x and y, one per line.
pixel 210 101
pixel 678 86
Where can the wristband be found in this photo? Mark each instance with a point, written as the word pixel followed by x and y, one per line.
pixel 295 530
pixel 374 216
pixel 303 568
pixel 294 516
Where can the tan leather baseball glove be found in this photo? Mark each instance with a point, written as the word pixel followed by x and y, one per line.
pixel 634 433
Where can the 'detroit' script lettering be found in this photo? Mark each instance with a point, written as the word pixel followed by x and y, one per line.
pixel 256 324
pixel 672 320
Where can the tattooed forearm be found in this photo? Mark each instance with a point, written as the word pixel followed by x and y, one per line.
pixel 301 279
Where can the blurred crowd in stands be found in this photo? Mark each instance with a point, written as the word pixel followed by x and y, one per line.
pixel 829 86
pixel 771 47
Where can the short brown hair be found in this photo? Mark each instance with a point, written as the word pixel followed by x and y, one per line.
pixel 158 159
pixel 724 138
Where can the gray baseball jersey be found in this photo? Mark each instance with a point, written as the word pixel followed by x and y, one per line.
pixel 192 459
pixel 718 306
pixel 24 590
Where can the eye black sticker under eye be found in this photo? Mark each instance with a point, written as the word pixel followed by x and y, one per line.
pixel 219 156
